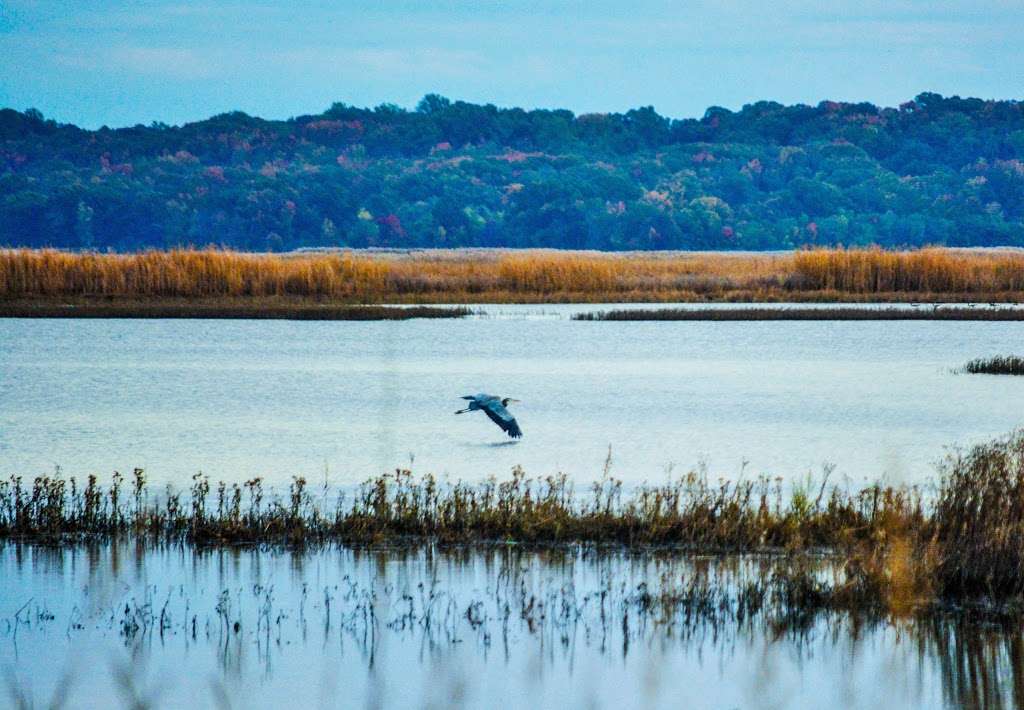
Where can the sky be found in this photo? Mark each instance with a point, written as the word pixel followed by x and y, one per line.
pixel 117 63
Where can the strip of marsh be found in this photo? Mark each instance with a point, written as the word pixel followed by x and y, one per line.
pixel 998 365
pixel 898 546
pixel 530 276
pixel 261 308
pixel 788 314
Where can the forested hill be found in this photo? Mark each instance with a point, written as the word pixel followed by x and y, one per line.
pixel 932 171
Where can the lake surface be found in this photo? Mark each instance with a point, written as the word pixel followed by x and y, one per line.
pixel 483 627
pixel 474 627
pixel 344 401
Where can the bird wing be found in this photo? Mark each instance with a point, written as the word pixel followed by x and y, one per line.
pixel 494 409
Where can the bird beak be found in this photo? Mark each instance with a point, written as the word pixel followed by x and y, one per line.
pixel 510 399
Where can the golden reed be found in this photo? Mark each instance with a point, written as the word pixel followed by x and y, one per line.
pixel 525 276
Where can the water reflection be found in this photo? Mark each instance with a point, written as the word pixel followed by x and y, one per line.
pixel 400 627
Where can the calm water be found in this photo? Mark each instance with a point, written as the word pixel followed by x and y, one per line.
pixel 478 627
pixel 346 401
pixel 458 628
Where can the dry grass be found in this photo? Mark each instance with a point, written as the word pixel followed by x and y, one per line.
pixel 977 273
pixel 979 520
pixel 480 276
pixel 690 512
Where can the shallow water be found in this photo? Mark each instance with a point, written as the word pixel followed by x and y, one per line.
pixel 499 627
pixel 344 401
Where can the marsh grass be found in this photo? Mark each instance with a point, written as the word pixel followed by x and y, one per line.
pixel 931 270
pixel 817 314
pixel 899 548
pixel 690 512
pixel 502 276
pixel 999 365
pixel 274 309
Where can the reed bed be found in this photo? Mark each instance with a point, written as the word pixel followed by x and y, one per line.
pixel 930 270
pixel 773 314
pixel 979 520
pixel 999 365
pixel 966 541
pixel 499 276
pixel 689 512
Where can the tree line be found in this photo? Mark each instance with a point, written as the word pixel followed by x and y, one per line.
pixel 935 170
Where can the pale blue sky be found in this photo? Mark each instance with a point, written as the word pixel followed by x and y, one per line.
pixel 96 62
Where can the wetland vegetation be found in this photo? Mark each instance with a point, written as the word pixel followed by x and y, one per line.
pixel 184 279
pixel 276 309
pixel 998 365
pixel 992 313
pixel 896 547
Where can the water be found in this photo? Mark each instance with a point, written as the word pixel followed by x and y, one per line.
pixel 477 628
pixel 344 401
pixel 480 627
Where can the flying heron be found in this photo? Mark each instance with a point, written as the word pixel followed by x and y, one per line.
pixel 494 407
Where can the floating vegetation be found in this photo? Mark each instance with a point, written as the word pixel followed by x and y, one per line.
pixel 503 276
pixel 782 313
pixel 899 548
pixel 999 365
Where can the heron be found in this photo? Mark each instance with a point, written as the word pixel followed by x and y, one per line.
pixel 494 407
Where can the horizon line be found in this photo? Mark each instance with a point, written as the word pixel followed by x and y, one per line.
pixel 405 108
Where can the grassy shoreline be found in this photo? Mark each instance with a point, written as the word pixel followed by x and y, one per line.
pixel 817 314
pixel 51 277
pixel 897 547
pixel 270 309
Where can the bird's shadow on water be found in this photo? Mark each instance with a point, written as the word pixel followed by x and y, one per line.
pixel 492 444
